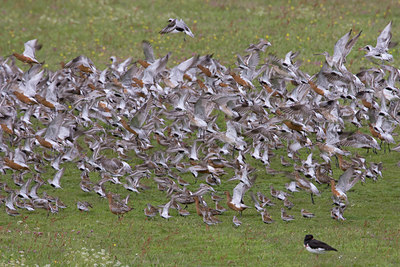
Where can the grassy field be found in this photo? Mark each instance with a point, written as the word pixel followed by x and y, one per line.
pixel 225 28
pixel 369 237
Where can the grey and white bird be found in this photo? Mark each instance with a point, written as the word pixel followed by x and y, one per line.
pixel 29 53
pixel 55 182
pixel 236 221
pixel 177 26
pixel 260 46
pixel 380 51
pixel 286 217
pixel 307 214
pixel 83 206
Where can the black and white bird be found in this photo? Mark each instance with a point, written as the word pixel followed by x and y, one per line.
pixel 176 26
pixel 315 246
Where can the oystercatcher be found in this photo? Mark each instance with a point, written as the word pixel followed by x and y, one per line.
pixel 315 246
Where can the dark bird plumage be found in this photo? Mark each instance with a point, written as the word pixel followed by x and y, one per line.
pixel 316 246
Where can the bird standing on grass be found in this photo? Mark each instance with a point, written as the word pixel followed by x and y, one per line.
pixel 315 246
pixel 150 211
pixel 83 206
pixel 117 207
pixel 307 214
pixel 286 217
pixel 236 221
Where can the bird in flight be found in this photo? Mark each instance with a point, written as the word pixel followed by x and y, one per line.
pixel 29 53
pixel 176 26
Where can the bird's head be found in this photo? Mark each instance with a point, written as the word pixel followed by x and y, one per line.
pixel 308 238
pixel 366 48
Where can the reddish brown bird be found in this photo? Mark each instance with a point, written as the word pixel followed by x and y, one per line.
pixel 236 202
pixel 117 207
pixel 29 53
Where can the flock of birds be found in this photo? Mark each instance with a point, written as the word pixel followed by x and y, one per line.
pixel 198 117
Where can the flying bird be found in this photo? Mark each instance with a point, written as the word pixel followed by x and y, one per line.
pixel 29 53
pixel 380 51
pixel 176 26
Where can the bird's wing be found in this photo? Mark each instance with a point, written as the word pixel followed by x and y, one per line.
pixel 165 210
pixel 58 175
pixel 256 203
pixel 54 127
pixel 237 193
pixel 350 44
pixel 344 182
pixel 30 48
pixel 183 27
pixel 339 47
pixel 385 37
pixel 316 244
pixel 141 115
pixel 178 71
pixel 148 51
pixel 253 60
pixel 170 27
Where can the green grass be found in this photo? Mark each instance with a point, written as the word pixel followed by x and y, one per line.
pixel 225 28
pixel 371 234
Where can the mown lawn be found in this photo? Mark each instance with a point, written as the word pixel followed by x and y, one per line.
pixel 369 237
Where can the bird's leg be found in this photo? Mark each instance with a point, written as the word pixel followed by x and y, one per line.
pixel 337 161
pixel 312 199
